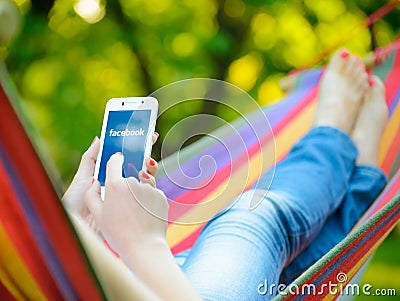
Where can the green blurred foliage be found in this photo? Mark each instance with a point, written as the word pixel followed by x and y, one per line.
pixel 72 56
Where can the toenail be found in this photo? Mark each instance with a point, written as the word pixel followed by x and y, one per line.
pixel 344 53
pixel 371 81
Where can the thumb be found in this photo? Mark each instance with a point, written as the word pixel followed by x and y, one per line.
pixel 94 202
pixel 88 160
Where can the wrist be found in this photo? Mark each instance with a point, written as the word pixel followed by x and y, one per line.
pixel 141 258
pixel 145 249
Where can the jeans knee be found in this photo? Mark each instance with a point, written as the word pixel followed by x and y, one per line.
pixel 293 218
pixel 262 225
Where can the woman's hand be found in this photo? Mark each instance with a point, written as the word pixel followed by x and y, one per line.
pixel 133 219
pixel 73 197
pixel 133 215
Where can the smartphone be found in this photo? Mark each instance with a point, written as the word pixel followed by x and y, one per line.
pixel 128 127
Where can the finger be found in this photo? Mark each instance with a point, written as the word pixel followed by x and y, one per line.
pixel 131 171
pixel 88 161
pixel 93 200
pixel 155 137
pixel 145 178
pixel 151 166
pixel 114 167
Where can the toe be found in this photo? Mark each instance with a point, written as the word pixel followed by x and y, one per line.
pixel 377 85
pixel 362 82
pixel 354 67
pixel 338 62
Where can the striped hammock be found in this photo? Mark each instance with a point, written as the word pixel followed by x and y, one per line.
pixel 41 257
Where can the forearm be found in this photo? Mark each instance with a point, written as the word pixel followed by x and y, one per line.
pixel 154 264
pixel 116 281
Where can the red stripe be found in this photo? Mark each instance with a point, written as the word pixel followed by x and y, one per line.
pixel 17 228
pixel 196 196
pixel 389 193
pixel 5 294
pixel 381 12
pixel 392 79
pixel 310 97
pixel 39 188
pixel 356 256
pixel 187 242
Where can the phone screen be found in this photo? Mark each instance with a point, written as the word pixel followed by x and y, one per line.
pixel 126 132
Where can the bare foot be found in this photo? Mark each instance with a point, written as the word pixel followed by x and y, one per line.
pixel 341 91
pixel 370 124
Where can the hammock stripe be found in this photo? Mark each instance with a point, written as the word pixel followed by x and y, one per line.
pixel 350 254
pixel 35 224
pixel 41 257
pixel 290 119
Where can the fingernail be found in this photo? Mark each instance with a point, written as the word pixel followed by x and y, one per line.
pixel 157 134
pixel 371 81
pixel 145 175
pixel 152 162
pixel 95 139
pixel 345 53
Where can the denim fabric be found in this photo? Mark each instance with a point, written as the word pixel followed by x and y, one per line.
pixel 364 187
pixel 240 254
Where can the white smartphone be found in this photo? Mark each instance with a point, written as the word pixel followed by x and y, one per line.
pixel 128 127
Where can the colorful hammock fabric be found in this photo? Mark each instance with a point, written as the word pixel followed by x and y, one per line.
pixel 290 119
pixel 341 264
pixel 41 257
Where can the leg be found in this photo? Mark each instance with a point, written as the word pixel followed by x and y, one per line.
pixel 239 250
pixel 365 185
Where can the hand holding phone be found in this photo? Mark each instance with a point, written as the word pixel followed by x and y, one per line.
pixel 128 127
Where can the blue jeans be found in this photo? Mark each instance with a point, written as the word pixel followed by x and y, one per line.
pixel 317 190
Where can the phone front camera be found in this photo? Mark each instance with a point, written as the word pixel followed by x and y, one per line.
pixel 123 103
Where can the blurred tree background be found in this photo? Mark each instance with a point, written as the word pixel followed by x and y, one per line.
pixel 70 57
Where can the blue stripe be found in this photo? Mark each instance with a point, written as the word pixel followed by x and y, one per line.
pixel 249 130
pixel 36 226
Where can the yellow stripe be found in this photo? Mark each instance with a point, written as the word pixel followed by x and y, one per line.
pixel 389 134
pixel 359 264
pixel 218 198
pixel 294 130
pixel 230 188
pixel 14 275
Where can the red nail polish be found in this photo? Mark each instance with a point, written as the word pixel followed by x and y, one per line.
pixel 345 53
pixel 371 81
pixel 152 162
pixel 92 181
pixel 157 134
pixel 145 175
